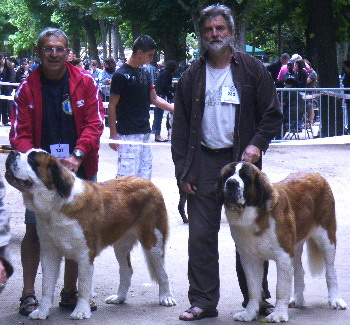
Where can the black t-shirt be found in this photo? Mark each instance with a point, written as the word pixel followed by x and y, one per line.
pixel 58 125
pixel 134 86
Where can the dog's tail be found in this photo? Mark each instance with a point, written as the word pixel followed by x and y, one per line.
pixel 315 258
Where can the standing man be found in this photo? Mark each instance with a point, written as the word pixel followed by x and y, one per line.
pixel 346 84
pixel 226 109
pixel 275 67
pixel 128 111
pixel 57 108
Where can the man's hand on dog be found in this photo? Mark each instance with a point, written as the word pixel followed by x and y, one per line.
pixel 72 163
pixel 251 154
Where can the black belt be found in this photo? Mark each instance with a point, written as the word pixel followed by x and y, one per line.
pixel 216 151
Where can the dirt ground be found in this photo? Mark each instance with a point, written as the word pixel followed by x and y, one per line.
pixel 142 304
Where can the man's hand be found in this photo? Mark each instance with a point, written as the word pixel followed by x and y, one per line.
pixel 72 163
pixel 114 146
pixel 251 154
pixel 188 188
pixel 3 277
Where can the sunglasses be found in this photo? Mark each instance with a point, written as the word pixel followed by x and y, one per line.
pixel 51 50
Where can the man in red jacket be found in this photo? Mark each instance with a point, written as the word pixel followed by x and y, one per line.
pixel 57 108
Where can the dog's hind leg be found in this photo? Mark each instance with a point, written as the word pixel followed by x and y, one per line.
pixel 155 262
pixel 122 249
pixel 297 300
pixel 328 249
pixel 50 264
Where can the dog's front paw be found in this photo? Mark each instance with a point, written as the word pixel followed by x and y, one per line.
pixel 276 317
pixel 115 299
pixel 167 300
pixel 337 303
pixel 82 310
pixel 80 313
pixel 245 316
pixel 296 303
pixel 39 313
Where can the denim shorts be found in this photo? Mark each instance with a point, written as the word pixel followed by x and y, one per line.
pixel 29 217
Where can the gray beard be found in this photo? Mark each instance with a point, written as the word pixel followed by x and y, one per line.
pixel 218 46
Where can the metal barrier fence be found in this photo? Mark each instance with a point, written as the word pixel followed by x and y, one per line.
pixel 308 112
pixel 314 112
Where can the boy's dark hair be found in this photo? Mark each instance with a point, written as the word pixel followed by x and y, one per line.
pixel 144 43
pixel 110 61
pixel 171 66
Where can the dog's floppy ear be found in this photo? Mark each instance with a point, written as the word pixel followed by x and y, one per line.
pixel 61 179
pixel 225 171
pixel 263 188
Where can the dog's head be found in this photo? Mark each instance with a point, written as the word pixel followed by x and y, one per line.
pixel 242 185
pixel 30 171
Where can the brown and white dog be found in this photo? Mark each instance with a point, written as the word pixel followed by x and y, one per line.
pixel 272 222
pixel 77 219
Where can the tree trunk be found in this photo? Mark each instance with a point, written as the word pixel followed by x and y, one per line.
pixel 321 29
pixel 135 31
pixel 240 32
pixel 109 42
pixel 76 46
pixel 91 40
pixel 103 29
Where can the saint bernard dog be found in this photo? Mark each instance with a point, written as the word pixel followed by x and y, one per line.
pixel 77 219
pixel 272 222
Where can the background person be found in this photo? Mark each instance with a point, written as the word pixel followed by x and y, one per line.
pixel 68 116
pixel 6 268
pixel 7 74
pixel 106 78
pixel 165 89
pixel 346 84
pixel 131 94
pixel 24 71
pixel 226 109
pixel 95 71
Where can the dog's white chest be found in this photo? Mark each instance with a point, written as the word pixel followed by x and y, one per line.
pixel 65 234
pixel 265 244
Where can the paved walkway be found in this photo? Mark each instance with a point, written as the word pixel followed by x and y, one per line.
pixel 142 304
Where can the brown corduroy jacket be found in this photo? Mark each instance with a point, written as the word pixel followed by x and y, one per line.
pixel 258 117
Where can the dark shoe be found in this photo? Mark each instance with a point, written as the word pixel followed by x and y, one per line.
pixel 27 302
pixel 160 139
pixel 69 300
pixel 198 316
pixel 266 309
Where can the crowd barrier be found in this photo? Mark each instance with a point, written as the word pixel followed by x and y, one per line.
pixel 308 112
pixel 313 112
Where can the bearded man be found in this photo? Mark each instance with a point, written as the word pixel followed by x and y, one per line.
pixel 226 109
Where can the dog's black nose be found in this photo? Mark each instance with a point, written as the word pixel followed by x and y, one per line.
pixel 11 158
pixel 231 184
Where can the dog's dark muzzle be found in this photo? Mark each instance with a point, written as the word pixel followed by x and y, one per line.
pixel 11 159
pixel 231 192
pixel 11 164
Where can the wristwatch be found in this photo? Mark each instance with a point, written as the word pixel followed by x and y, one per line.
pixel 78 154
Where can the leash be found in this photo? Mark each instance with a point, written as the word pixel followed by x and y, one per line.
pixel 5 148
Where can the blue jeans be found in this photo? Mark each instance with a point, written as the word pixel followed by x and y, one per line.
pixel 157 121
